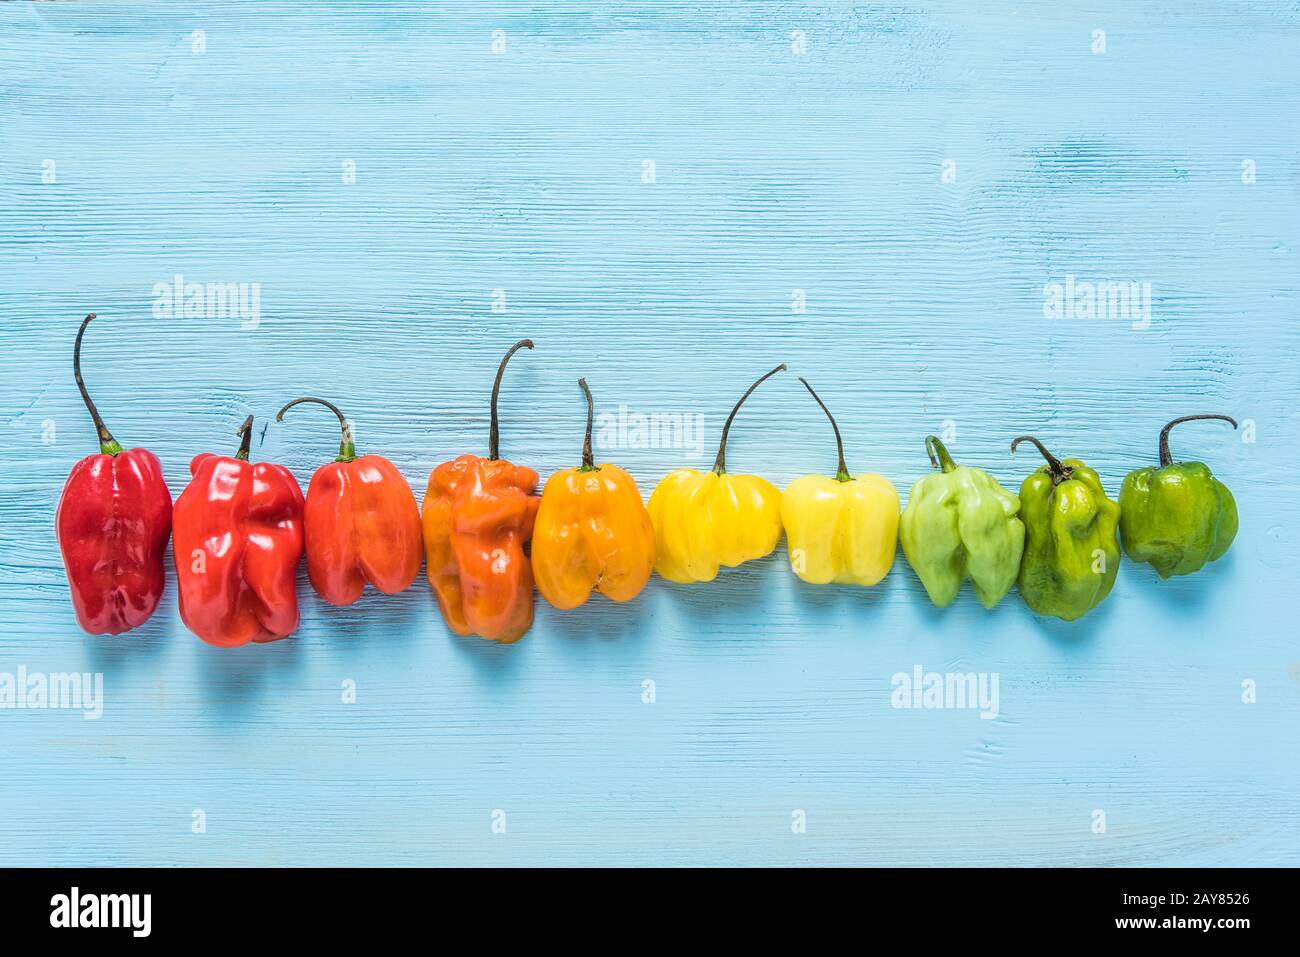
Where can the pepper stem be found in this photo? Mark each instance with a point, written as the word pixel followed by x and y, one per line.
pixel 347 447
pixel 842 471
pixel 1058 471
pixel 588 460
pixel 934 447
pixel 1165 457
pixel 107 444
pixel 494 432
pixel 246 440
pixel 720 463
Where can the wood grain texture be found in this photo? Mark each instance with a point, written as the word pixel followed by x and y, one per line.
pixel 775 171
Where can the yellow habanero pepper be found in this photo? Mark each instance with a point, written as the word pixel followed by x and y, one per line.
pixel 592 531
pixel 706 519
pixel 841 530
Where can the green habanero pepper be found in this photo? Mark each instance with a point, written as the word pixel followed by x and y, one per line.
pixel 961 523
pixel 1176 516
pixel 1071 537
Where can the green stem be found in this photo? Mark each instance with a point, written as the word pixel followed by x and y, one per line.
pixel 1058 471
pixel 245 431
pixel 588 459
pixel 494 432
pixel 1165 457
pixel 842 471
pixel 107 444
pixel 720 463
pixel 347 447
pixel 934 447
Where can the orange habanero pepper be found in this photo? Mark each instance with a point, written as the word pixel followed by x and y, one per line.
pixel 362 523
pixel 478 515
pixel 593 531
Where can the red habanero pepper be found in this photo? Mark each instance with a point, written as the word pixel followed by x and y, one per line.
pixel 237 540
pixel 362 523
pixel 113 522
pixel 478 516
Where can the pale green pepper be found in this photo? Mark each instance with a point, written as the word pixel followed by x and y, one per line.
pixel 960 523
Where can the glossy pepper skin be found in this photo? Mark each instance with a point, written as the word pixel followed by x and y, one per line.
pixel 592 532
pixel 1071 537
pixel 361 522
pixel 960 523
pixel 237 541
pixel 113 523
pixel 478 515
pixel 707 520
pixel 840 530
pixel 1177 516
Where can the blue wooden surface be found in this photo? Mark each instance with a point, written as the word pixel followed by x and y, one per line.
pixel 795 147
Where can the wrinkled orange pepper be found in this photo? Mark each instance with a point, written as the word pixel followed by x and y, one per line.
pixel 362 523
pixel 478 515
pixel 593 531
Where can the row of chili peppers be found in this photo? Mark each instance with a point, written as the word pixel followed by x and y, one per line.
pixel 239 530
